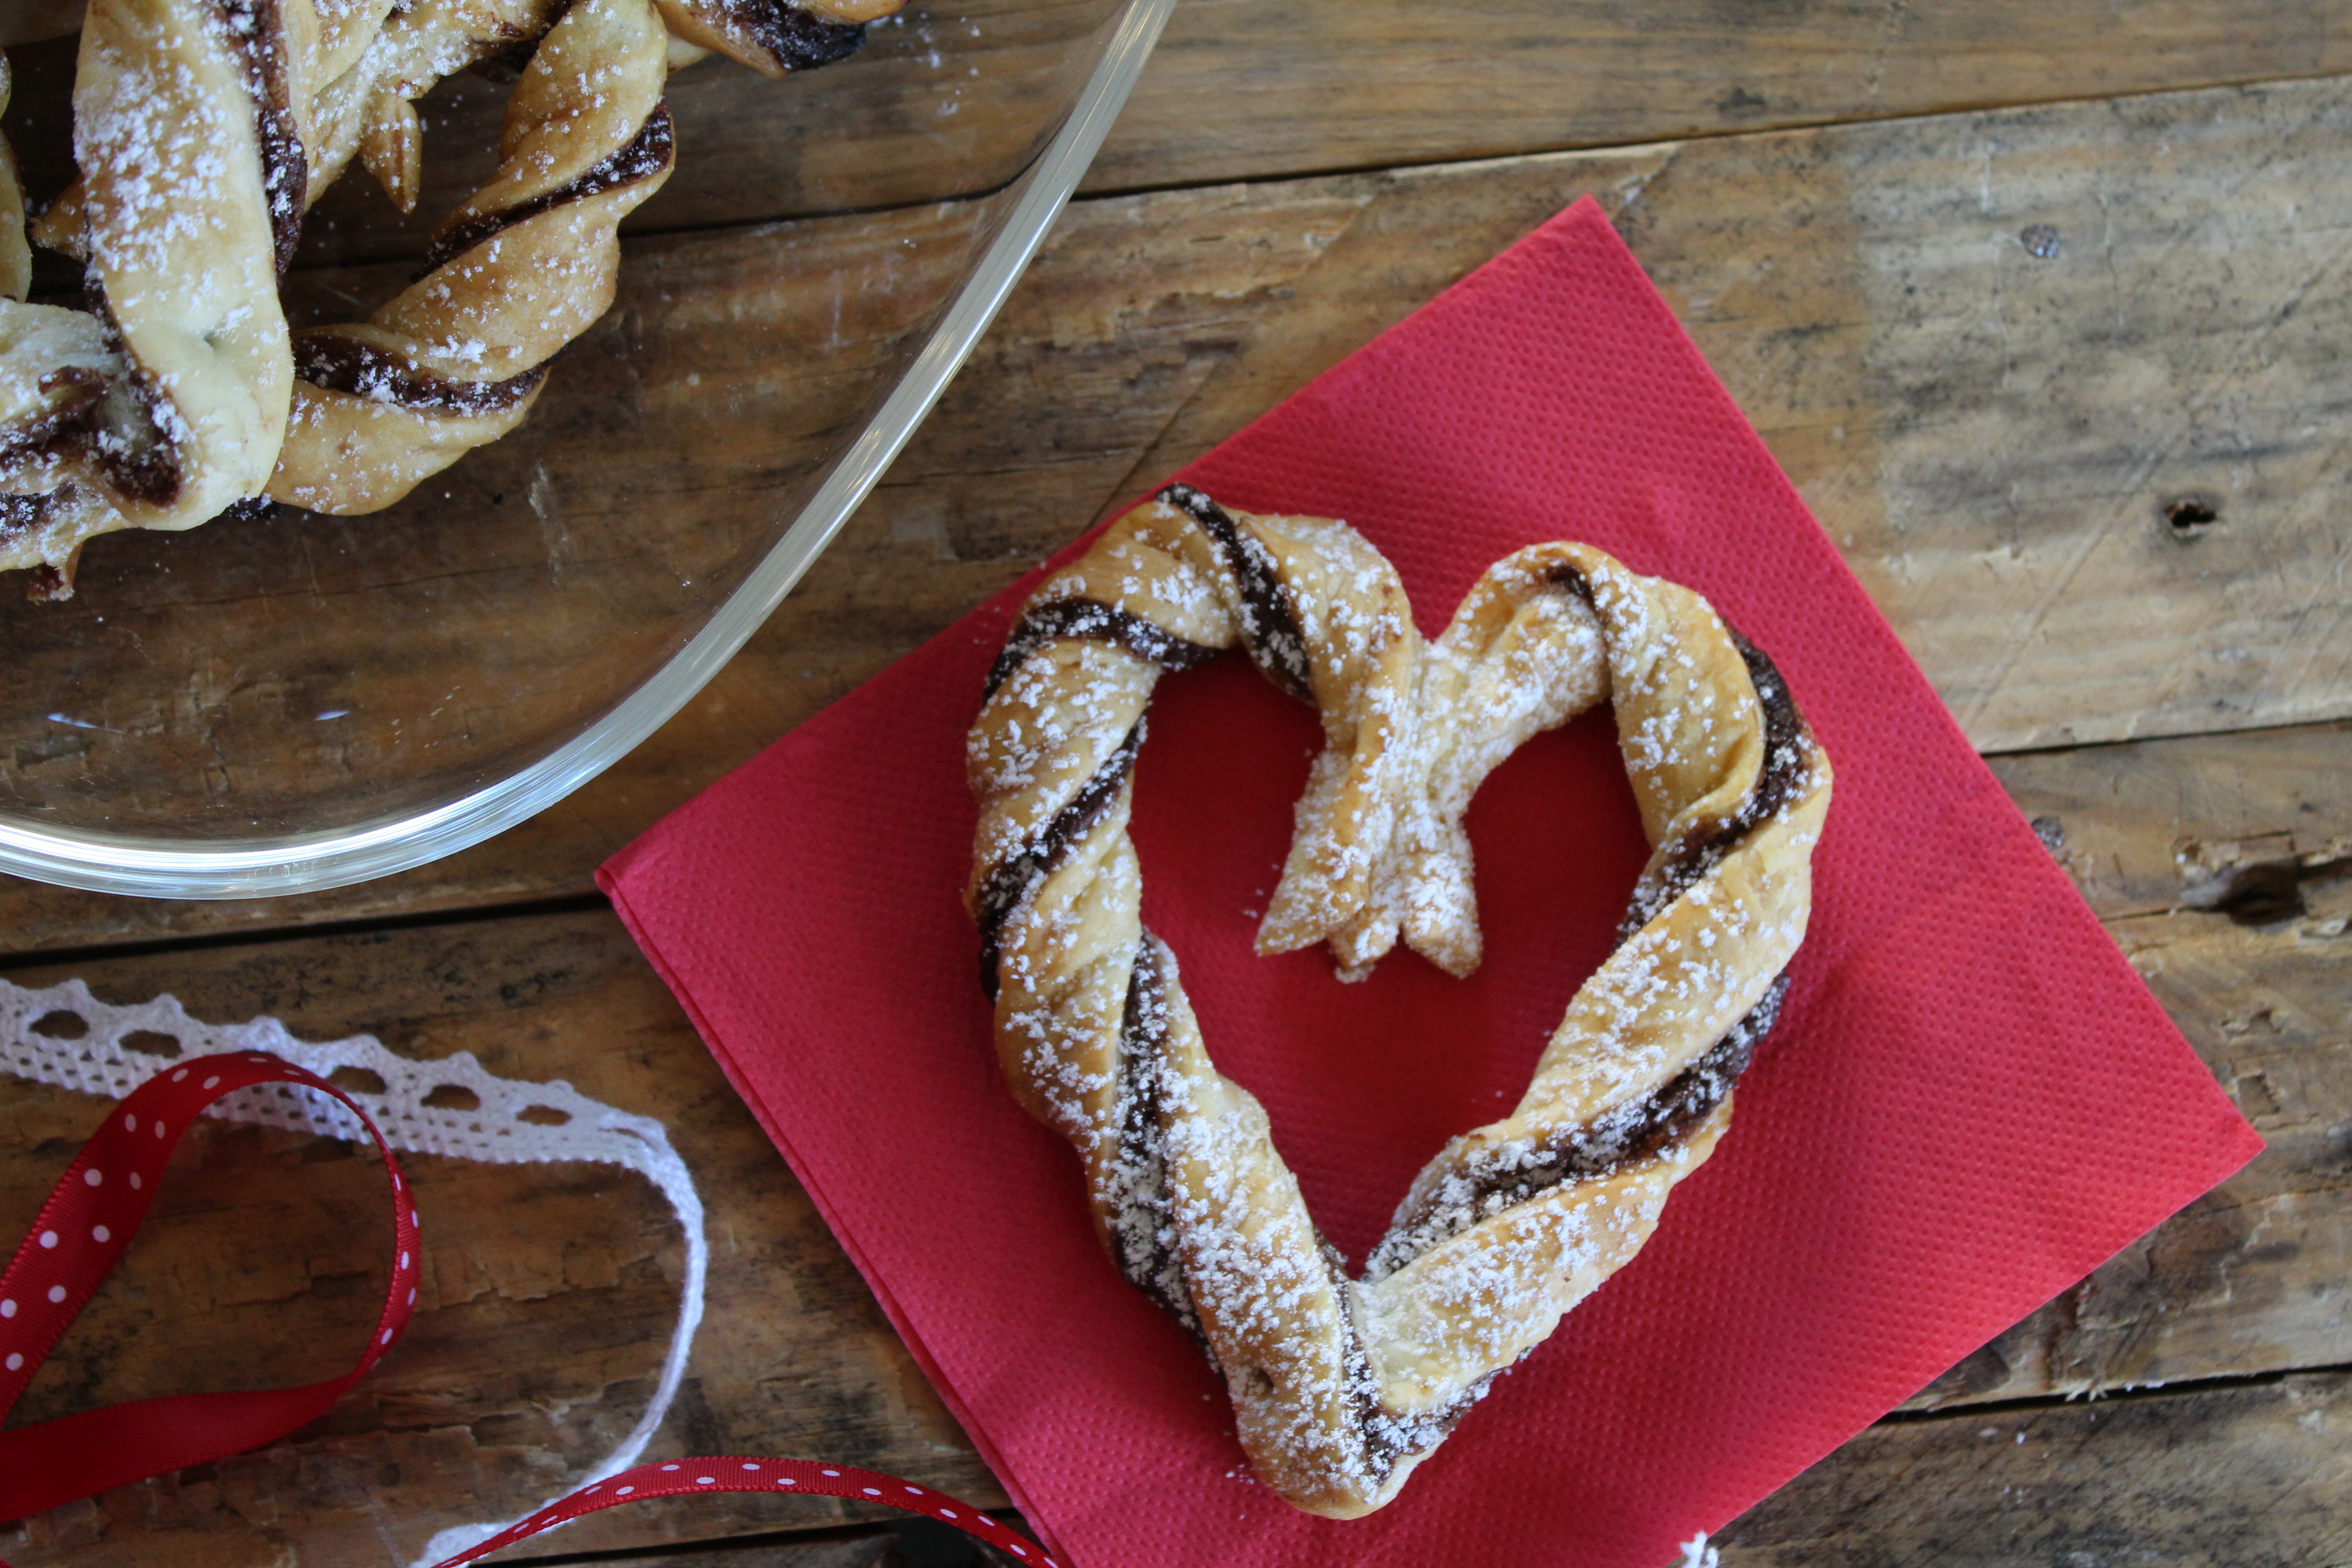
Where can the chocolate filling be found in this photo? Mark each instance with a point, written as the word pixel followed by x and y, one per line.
pixel 1486 1181
pixel 1784 730
pixel 19 515
pixel 1044 624
pixel 1787 762
pixel 1093 619
pixel 1269 629
pixel 141 458
pixel 1148 1258
pixel 1785 767
pixel 1145 1255
pixel 795 39
pixel 124 423
pixel 1269 621
pixel 1489 1181
pixel 646 153
pixel 1492 1180
pixel 1018 876
pixel 44 583
pixel 1387 1437
pixel 257 31
pixel 337 364
pixel 74 416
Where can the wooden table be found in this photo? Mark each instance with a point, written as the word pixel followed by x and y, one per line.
pixel 2044 308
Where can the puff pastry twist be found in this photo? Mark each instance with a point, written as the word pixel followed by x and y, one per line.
pixel 525 266
pixel 205 127
pixel 1341 1386
pixel 162 404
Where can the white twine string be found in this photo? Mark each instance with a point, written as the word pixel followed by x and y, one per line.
pixel 570 1126
pixel 1698 1553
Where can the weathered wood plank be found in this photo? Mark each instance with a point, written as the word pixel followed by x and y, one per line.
pixel 2234 823
pixel 1263 89
pixel 942 102
pixel 1252 89
pixel 1874 297
pixel 2251 1477
pixel 2251 1276
pixel 1990 434
pixel 549 1290
pixel 297 661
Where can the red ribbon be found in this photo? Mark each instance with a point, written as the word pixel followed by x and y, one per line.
pixel 90 1218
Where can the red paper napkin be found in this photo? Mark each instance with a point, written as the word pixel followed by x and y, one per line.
pixel 1970 1100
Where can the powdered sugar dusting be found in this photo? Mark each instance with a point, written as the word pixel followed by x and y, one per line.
pixel 1339 1385
pixel 202 129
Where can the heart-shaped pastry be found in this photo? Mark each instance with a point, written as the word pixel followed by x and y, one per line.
pixel 1340 1386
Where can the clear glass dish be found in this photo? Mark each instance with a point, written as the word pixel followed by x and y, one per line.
pixel 296 701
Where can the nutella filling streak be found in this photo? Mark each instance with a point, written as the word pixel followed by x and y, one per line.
pixel 648 152
pixel 336 363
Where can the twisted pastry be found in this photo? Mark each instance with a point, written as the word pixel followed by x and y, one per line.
pixel 1340 1386
pixel 16 255
pixel 775 37
pixel 205 127
pixel 372 65
pixel 368 109
pixel 526 264
pixel 162 405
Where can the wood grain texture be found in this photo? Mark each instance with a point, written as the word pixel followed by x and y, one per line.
pixel 2252 1476
pixel 2064 381
pixel 1992 435
pixel 321 671
pixel 943 101
pixel 549 1290
pixel 1299 87
pixel 2251 1276
pixel 2237 824
pixel 1253 89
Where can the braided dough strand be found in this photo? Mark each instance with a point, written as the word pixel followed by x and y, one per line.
pixel 163 404
pixel 774 37
pixel 16 255
pixel 528 263
pixel 1340 1386
pixel 385 62
pixel 204 129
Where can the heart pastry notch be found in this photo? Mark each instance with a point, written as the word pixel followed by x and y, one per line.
pixel 1341 1385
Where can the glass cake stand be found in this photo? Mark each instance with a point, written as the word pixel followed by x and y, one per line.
pixel 296 701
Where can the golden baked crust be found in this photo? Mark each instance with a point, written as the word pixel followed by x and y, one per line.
pixel 1340 1386
pixel 526 264
pixel 204 129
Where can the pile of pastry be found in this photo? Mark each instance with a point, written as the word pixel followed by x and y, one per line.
pixel 172 389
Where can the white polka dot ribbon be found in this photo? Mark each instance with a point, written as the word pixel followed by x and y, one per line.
pixel 75 1240
pixel 733 1473
pixel 89 1218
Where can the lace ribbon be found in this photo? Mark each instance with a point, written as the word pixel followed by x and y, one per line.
pixel 104 1196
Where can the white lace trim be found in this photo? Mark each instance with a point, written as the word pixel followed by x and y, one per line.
pixel 569 1126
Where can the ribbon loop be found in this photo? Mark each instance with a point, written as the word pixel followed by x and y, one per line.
pixel 81 1230
pixel 89 1218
